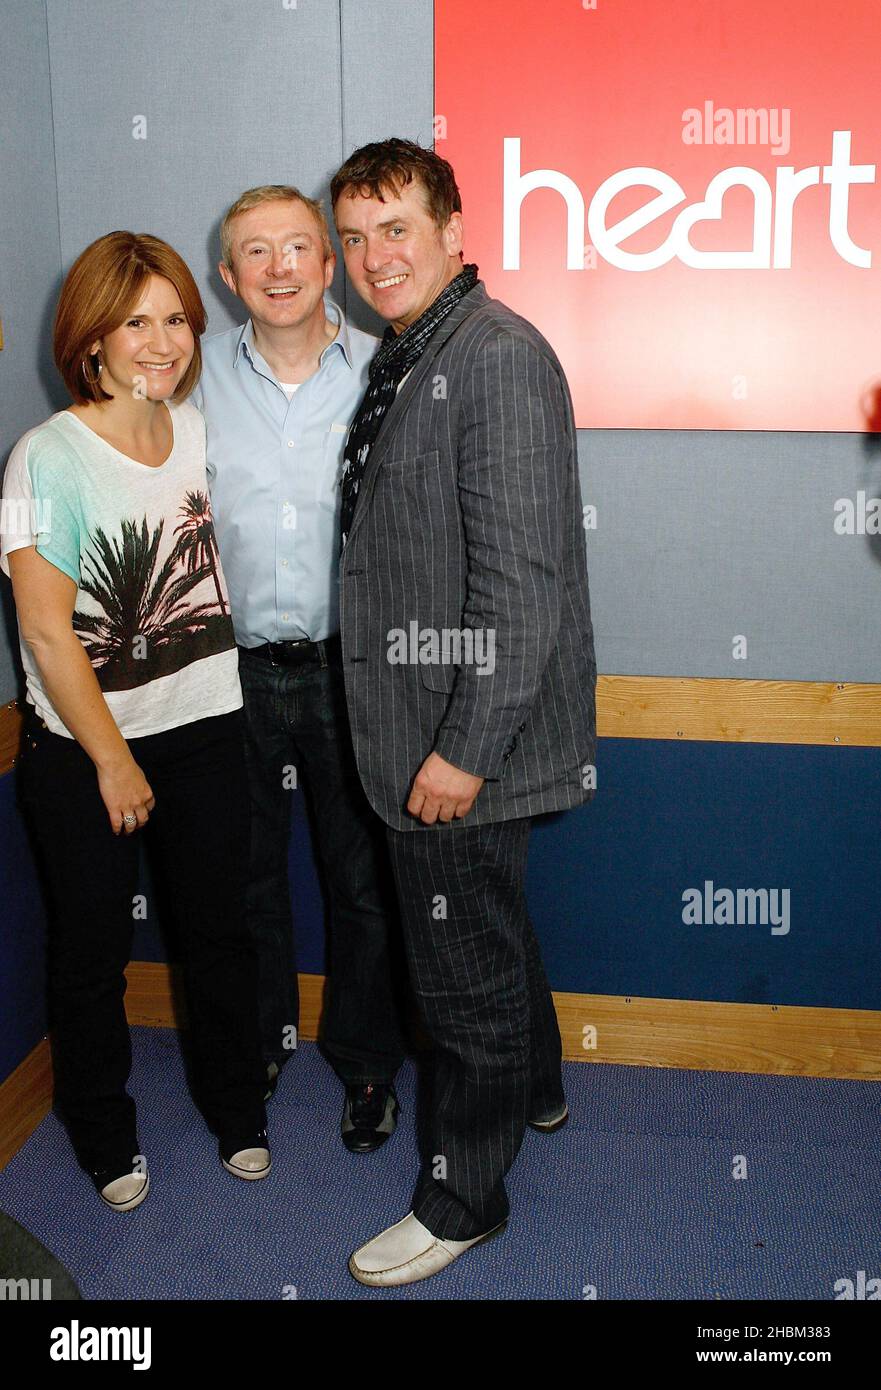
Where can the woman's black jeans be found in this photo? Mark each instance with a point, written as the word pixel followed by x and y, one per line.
pixel 199 839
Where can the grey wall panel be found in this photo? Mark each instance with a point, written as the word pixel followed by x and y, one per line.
pixel 388 87
pixel 30 266
pixel 234 93
pixel 703 536
pixel 388 71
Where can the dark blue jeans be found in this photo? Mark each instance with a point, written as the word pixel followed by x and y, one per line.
pixel 295 717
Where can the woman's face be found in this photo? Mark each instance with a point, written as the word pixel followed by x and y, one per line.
pixel 149 353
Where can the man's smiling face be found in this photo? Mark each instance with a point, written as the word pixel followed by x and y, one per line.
pixel 397 257
pixel 279 270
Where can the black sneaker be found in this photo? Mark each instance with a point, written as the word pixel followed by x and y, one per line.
pixel 369 1117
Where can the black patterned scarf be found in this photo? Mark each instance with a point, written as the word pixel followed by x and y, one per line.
pixel 397 355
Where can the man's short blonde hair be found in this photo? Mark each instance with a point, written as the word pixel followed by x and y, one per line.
pixel 271 193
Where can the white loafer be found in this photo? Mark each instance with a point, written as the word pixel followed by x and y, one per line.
pixel 550 1126
pixel 408 1252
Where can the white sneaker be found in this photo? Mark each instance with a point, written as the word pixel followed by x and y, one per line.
pixel 252 1161
pixel 127 1192
pixel 408 1252
pixel 248 1163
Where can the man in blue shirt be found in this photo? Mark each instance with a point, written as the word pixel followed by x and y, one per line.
pixel 278 395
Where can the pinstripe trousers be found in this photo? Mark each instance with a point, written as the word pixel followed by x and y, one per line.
pixel 476 970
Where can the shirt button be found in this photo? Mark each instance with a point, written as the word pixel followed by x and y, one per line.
pixel 290 444
pixel 284 562
pixel 285 616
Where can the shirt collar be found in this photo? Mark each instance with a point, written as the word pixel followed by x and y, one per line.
pixel 342 343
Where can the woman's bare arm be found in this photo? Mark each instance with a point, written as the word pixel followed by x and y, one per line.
pixel 45 598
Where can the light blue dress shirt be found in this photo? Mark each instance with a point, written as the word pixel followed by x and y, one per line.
pixel 273 468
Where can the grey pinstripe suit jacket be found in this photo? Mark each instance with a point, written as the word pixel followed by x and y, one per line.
pixel 469 515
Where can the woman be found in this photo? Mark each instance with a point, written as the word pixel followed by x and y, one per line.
pixel 133 723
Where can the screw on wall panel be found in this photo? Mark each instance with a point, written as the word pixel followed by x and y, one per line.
pixel 837 739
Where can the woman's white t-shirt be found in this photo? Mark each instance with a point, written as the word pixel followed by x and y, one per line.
pixel 152 609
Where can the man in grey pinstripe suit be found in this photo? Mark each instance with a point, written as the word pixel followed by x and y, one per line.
pixel 470 673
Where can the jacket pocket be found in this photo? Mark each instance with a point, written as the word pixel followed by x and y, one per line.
pixel 412 464
pixel 438 675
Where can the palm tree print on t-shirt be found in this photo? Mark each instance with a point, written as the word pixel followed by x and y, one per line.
pixel 197 543
pixel 149 626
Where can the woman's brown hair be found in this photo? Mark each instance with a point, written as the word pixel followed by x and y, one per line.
pixel 101 290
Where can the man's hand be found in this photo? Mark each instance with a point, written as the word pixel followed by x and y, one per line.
pixel 441 791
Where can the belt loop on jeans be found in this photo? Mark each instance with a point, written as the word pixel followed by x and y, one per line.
pixel 331 649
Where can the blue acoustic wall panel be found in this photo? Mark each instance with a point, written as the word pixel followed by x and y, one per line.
pixel 22 937
pixel 618 889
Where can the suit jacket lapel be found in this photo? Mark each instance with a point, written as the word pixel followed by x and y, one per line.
pixel 467 304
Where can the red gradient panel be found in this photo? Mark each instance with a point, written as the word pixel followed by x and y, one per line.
pixel 790 339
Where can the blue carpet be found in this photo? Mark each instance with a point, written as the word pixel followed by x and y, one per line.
pixel 634 1198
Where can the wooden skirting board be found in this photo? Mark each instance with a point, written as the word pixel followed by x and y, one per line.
pixel 673 707
pixel 697 1035
pixel 10 735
